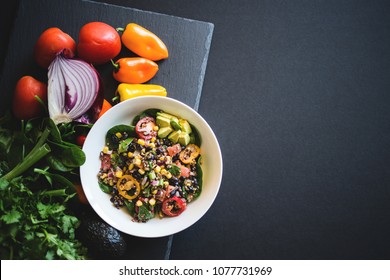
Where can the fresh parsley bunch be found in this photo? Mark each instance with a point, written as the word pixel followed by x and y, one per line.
pixel 37 170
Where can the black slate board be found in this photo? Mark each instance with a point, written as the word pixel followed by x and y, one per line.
pixel 181 74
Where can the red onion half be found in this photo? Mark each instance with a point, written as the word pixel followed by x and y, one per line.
pixel 74 92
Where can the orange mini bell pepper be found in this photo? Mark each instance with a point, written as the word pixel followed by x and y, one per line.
pixel 143 42
pixel 134 70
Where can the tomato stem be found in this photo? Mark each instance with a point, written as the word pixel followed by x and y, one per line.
pixel 42 103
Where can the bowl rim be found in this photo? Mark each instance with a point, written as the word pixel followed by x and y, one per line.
pixel 144 100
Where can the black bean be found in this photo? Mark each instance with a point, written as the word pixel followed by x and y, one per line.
pixel 149 156
pixel 131 147
pixel 114 139
pixel 137 175
pixel 167 142
pixel 174 181
pixel 173 192
pixel 175 157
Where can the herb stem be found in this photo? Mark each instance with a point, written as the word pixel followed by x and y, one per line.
pixel 51 193
pixel 40 150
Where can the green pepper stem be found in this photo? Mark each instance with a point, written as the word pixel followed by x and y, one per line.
pixel 116 66
pixel 120 29
pixel 115 99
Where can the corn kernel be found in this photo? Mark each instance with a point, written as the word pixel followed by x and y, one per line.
pixel 141 171
pixel 151 145
pixel 105 149
pixel 130 154
pixel 119 174
pixel 118 134
pixel 152 201
pixel 141 142
pixel 104 175
pixel 138 203
pixel 155 128
pixel 137 161
pixel 157 169
pixel 162 158
pixel 168 175
pixel 154 191
pixel 153 139
pixel 166 183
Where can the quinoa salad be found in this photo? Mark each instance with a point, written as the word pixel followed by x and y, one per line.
pixel 152 167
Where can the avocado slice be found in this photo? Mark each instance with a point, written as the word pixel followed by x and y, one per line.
pixel 184 138
pixel 174 136
pixel 166 115
pixel 164 131
pixel 185 126
pixel 175 124
pixel 163 122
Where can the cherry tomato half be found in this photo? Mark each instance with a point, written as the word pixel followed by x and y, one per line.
pixel 98 43
pixel 24 104
pixel 52 41
pixel 145 128
pixel 173 206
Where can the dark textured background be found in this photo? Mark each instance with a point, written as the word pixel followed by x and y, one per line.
pixel 298 94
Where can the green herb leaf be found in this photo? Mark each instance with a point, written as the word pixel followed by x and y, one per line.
pixel 124 144
pixel 199 176
pixel 11 217
pixel 130 130
pixel 105 188
pixel 144 213
pixel 174 170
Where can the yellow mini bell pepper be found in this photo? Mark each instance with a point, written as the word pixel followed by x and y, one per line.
pixel 127 91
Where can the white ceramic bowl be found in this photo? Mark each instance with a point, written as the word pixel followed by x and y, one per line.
pixel 123 113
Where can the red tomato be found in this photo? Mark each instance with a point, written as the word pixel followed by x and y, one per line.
pixel 173 207
pixel 24 104
pixel 145 128
pixel 174 149
pixel 184 171
pixel 98 43
pixel 50 43
pixel 80 194
pixel 105 162
pixel 80 140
